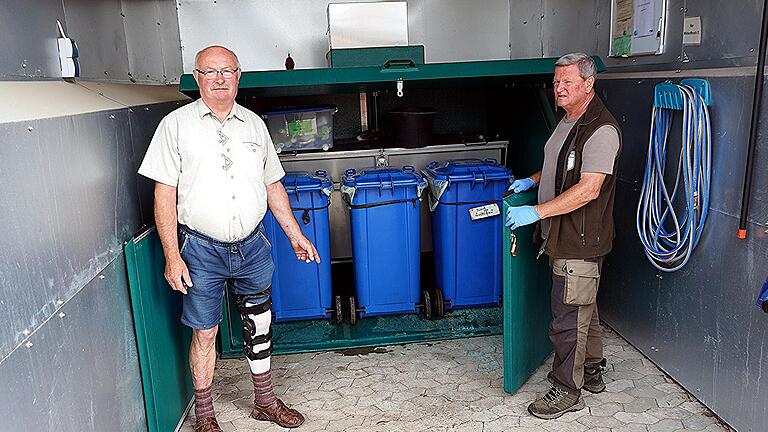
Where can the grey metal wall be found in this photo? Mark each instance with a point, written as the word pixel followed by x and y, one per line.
pixel 70 199
pixel 118 40
pixel 29 34
pixel 451 30
pixel 699 324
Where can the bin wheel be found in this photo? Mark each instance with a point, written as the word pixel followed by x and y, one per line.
pixel 352 311
pixel 337 309
pixel 439 304
pixel 426 302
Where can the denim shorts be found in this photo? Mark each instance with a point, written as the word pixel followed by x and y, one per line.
pixel 245 266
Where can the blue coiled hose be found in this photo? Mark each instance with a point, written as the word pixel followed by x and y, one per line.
pixel 670 230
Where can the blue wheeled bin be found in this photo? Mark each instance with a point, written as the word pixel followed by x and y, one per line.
pixel 465 199
pixel 384 213
pixel 302 290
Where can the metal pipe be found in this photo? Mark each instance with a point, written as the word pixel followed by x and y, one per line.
pixel 756 102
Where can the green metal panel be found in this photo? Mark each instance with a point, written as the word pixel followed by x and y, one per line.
pixel 375 56
pixel 317 81
pixel 163 341
pixel 526 303
pixel 322 335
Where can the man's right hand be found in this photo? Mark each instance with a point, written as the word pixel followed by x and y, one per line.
pixel 522 185
pixel 177 274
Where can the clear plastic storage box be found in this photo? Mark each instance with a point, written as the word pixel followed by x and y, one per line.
pixel 307 128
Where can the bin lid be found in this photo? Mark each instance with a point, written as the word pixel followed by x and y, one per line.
pixel 382 177
pixel 299 181
pixel 468 170
pixel 300 110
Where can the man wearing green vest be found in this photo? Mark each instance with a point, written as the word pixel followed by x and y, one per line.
pixel 577 185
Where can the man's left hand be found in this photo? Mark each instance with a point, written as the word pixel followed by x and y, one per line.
pixel 304 249
pixel 521 216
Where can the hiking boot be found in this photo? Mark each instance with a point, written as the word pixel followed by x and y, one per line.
pixel 279 414
pixel 555 403
pixel 593 379
pixel 207 424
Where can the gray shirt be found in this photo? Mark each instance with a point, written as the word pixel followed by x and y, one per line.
pixel 598 157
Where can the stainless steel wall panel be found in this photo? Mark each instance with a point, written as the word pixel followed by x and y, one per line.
pixel 700 324
pixel 170 40
pixel 525 27
pixel 29 33
pixel 569 26
pixel 631 102
pixel 266 31
pixel 99 30
pixel 80 370
pixel 451 30
pixel 152 39
pixel 458 30
pixel 362 25
pixel 730 33
pixel 641 284
pixel 70 203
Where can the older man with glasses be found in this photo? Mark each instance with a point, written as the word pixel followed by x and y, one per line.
pixel 216 172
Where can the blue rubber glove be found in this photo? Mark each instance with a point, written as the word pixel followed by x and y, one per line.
pixel 522 185
pixel 521 216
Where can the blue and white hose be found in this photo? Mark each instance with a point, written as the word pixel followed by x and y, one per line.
pixel 670 231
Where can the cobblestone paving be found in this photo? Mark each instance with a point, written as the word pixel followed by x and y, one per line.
pixel 452 385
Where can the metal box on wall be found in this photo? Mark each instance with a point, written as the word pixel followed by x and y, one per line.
pixel 358 25
pixel 375 56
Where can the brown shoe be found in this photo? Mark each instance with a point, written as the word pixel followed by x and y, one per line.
pixel 207 424
pixel 278 413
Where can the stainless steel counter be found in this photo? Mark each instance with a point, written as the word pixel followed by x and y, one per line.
pixel 336 162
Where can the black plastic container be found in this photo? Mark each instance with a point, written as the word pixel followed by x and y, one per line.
pixel 412 127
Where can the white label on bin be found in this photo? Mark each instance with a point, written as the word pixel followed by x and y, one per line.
pixel 482 212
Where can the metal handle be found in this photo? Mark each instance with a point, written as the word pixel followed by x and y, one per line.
pixel 399 63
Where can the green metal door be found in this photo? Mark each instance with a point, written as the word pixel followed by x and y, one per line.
pixel 163 341
pixel 526 302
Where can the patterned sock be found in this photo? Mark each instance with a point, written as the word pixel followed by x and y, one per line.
pixel 203 403
pixel 262 388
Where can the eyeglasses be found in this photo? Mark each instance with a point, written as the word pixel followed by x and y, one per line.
pixel 212 73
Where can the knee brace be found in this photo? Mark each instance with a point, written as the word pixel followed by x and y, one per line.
pixel 256 313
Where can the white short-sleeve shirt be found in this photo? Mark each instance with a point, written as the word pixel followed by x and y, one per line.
pixel 220 169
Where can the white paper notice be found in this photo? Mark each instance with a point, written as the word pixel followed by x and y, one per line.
pixel 643 19
pixel 692 31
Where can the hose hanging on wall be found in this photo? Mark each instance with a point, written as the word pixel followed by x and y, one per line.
pixel 670 230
